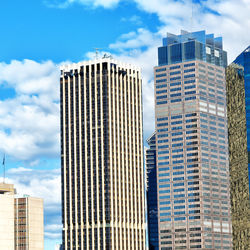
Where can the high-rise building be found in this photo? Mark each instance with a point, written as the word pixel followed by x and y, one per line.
pixel 102 156
pixel 191 143
pixel 29 225
pixel 22 225
pixel 238 94
pixel 152 204
pixel 7 216
pixel 244 60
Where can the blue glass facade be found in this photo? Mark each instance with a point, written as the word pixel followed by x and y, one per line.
pixel 192 46
pixel 152 194
pixel 244 60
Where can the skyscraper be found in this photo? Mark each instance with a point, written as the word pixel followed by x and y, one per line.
pixel 152 203
pixel 191 143
pixel 238 93
pixel 244 60
pixel 102 156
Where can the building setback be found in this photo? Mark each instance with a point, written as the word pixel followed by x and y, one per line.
pixel 191 143
pixel 238 93
pixel 102 156
pixel 152 203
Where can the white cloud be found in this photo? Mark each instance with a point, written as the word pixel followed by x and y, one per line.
pixel 133 19
pixel 219 17
pixel 228 18
pixel 89 3
pixel 142 37
pixel 29 122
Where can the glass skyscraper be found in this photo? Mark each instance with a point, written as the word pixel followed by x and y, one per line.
pixel 238 109
pixel 192 143
pixel 152 204
pixel 244 60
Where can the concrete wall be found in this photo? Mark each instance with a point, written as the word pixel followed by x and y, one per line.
pixel 6 222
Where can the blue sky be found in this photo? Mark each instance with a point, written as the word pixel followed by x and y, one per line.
pixel 35 31
pixel 38 36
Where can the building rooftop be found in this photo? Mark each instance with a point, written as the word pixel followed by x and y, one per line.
pixel 7 188
pixel 190 46
pixel 199 36
pixel 104 59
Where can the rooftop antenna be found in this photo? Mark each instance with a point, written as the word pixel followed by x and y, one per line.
pixel 3 168
pixel 97 52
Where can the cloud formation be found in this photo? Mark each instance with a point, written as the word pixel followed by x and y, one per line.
pixel 219 17
pixel 29 122
pixel 89 3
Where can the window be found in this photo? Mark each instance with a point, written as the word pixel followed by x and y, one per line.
pixel 180 218
pixel 161 91
pixel 175 100
pixel 175 67
pixel 161 75
pixel 163 152
pixel 176 122
pixel 190 98
pixel 161 97
pixel 189 81
pixel 161 86
pixel 163 141
pixel 177 150
pixel 190 92
pixel 178 184
pixel 162 135
pixel 189 70
pixel 162 119
pixel 189 76
pixel 163 102
pixel 175 78
pixel 175 73
pixel 177 139
pixel 165 208
pixel 175 89
pixel 163 169
pixel 179 201
pixel 179 207
pixel 189 65
pixel 179 212
pixel 161 80
pixel 175 84
pixel 177 133
pixel 190 87
pixel 162 124
pixel 162 130
pixel 175 95
pixel 160 70
pixel 177 145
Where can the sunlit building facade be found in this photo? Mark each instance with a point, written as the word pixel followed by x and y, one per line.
pixel 22 220
pixel 238 96
pixel 103 193
pixel 29 223
pixel 192 143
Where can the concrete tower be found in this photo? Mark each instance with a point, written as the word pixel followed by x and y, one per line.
pixel 102 156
